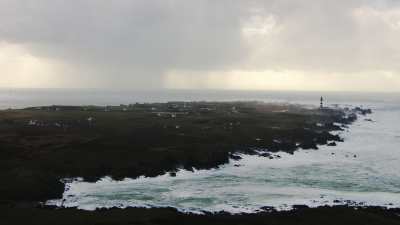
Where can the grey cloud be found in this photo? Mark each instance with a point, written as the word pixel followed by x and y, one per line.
pixel 146 33
pixel 127 41
pixel 131 38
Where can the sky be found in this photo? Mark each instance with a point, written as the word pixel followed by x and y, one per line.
pixel 343 45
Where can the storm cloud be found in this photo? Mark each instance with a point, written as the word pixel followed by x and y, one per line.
pixel 155 44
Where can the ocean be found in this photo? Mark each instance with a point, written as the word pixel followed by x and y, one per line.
pixel 19 98
pixel 363 170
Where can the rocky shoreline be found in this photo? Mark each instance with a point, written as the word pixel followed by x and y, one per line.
pixel 42 145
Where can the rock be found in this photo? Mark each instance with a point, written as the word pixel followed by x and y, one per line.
pixel 332 144
pixel 265 154
pixel 299 207
pixel 236 157
pixel 172 174
pixel 362 111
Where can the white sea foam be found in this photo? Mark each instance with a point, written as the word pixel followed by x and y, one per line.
pixel 364 169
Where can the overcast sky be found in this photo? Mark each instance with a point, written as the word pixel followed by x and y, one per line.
pixel 218 44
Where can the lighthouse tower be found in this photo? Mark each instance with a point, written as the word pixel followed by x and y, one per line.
pixel 321 105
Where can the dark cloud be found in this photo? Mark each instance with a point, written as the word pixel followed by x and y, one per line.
pixel 127 38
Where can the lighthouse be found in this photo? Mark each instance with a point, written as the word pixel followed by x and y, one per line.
pixel 321 105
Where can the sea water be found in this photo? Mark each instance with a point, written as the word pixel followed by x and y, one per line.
pixel 363 170
pixel 20 98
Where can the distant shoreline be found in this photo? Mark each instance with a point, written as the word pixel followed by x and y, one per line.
pixel 21 98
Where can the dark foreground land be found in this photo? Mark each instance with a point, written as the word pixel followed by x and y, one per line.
pixel 302 216
pixel 42 145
